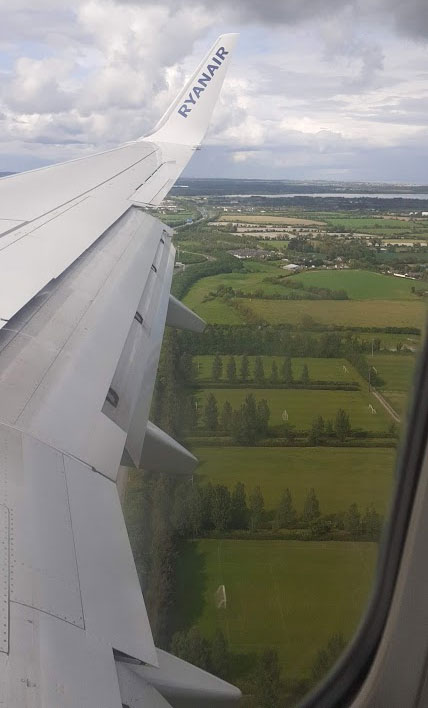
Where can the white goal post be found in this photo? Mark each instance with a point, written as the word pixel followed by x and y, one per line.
pixel 220 597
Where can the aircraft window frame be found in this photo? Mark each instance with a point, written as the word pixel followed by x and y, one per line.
pixel 341 685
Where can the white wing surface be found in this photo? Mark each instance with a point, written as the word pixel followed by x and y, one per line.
pixel 84 298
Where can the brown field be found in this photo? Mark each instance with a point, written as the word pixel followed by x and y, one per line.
pixel 267 219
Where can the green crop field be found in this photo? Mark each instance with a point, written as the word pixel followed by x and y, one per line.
pixel 319 369
pixel 340 476
pixel 395 370
pixel 360 284
pixel 351 313
pixel 303 405
pixel 377 226
pixel 287 595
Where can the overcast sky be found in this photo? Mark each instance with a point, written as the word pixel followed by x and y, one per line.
pixel 318 89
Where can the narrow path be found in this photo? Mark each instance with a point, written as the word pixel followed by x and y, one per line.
pixel 389 409
pixel 195 253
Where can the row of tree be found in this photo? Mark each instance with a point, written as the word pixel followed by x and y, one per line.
pixel 285 340
pixel 198 509
pixel 250 422
pixel 322 293
pixel 283 374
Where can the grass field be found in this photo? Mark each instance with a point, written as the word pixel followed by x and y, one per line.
pixel 352 313
pixel 269 219
pixel 304 405
pixel 319 369
pixel 214 311
pixel 178 217
pixel 377 226
pixel 247 280
pixel 287 595
pixel 360 284
pixel 397 371
pixel 398 400
pixel 340 476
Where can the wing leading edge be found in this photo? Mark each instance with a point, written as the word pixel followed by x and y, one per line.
pixel 84 298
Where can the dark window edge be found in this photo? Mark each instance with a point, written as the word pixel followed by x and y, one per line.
pixel 342 684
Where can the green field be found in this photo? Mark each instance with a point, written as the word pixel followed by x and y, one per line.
pixel 340 476
pixel 303 405
pixel 377 226
pixel 215 311
pixel 319 369
pixel 247 281
pixel 398 400
pixel 269 219
pixel 287 595
pixel 360 284
pixel 173 218
pixel 395 370
pixel 351 313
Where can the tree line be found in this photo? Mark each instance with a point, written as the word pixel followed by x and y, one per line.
pixel 265 685
pixel 308 291
pixel 277 375
pixel 200 510
pixel 250 422
pixel 285 340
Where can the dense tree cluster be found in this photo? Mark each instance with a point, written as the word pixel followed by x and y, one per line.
pixel 173 409
pixel 209 654
pixel 246 425
pixel 323 431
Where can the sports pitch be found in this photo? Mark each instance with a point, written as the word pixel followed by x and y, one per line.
pixel 340 476
pixel 287 595
pixel 303 405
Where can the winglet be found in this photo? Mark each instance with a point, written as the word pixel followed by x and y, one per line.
pixel 186 120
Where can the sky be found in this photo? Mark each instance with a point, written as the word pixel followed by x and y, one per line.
pixel 318 89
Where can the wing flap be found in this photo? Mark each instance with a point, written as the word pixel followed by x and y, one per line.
pixel 113 605
pixel 52 664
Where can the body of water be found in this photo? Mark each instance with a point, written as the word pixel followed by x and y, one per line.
pixel 345 195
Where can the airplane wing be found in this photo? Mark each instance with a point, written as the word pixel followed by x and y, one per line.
pixel 84 298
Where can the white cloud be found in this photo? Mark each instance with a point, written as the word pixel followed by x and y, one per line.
pixel 323 84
